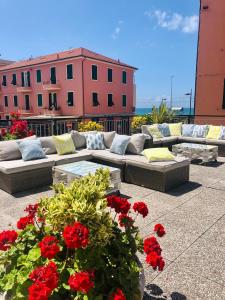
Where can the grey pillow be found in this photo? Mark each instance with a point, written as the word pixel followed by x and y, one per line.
pixel 136 143
pixel 79 138
pixel 48 145
pixel 9 150
pixel 108 138
pixel 119 144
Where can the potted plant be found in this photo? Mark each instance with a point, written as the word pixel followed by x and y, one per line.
pixel 78 244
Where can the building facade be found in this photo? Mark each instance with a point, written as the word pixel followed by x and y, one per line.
pixel 210 74
pixel 76 82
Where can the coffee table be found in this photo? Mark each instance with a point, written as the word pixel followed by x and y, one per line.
pixel 68 172
pixel 193 151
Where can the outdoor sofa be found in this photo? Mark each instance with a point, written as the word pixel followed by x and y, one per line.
pixel 17 175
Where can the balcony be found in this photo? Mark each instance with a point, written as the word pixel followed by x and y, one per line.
pixel 26 111
pixel 52 111
pixel 24 89
pixel 51 87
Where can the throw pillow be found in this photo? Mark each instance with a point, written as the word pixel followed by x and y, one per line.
pixel 48 145
pixel 175 129
pixel 64 144
pixel 164 129
pixel 95 141
pixel 214 132
pixel 187 129
pixel 200 131
pixel 31 150
pixel 136 143
pixel 119 144
pixel 158 154
pixel 108 138
pixel 222 133
pixel 154 131
pixel 9 150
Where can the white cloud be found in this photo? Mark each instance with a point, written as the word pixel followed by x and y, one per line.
pixel 175 21
pixel 117 30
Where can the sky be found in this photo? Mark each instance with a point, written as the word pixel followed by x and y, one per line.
pixel 157 37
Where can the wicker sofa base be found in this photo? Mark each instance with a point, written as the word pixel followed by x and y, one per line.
pixel 25 180
pixel 156 179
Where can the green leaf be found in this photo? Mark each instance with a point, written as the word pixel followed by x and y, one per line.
pixel 34 254
pixel 23 273
pixel 22 260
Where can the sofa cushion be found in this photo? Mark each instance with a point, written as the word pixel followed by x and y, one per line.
pixel 157 142
pixel 169 139
pixel 200 131
pixel 70 158
pixel 158 154
pixel 9 150
pixel 144 129
pixel 215 142
pixel 78 138
pixel 108 138
pixel 119 144
pixel 48 145
pixel 163 166
pixel 187 129
pixel 136 143
pixel 18 165
pixel 187 139
pixel 164 129
pixel 214 132
pixel 222 133
pixel 175 129
pixel 109 156
pixel 64 144
pixel 154 131
pixel 31 149
pixel 95 141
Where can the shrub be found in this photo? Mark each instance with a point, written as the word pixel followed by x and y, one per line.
pixel 78 244
pixel 161 114
pixel 90 126
pixel 137 122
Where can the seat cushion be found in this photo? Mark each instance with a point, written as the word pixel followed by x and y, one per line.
pixel 48 145
pixel 69 158
pixel 163 166
pixel 169 139
pixel 16 166
pixel 187 139
pixel 215 142
pixel 109 156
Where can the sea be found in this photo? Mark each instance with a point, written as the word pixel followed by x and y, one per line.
pixel 147 110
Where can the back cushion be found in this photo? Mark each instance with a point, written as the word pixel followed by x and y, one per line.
pixel 200 131
pixel 154 131
pixel 79 139
pixel 136 143
pixel 175 129
pixel 95 141
pixel 164 129
pixel 222 133
pixel 108 138
pixel 9 150
pixel 214 132
pixel 187 129
pixel 48 145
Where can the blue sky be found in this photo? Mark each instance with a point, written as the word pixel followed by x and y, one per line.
pixel 158 37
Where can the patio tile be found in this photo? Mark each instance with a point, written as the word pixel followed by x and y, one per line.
pixel 177 283
pixel 206 256
pixel 132 190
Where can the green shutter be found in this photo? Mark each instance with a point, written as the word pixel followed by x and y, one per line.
pixel 6 101
pixel 38 76
pixel 39 96
pixel 109 75
pixel 124 100
pixel 15 98
pixel 94 72
pixel 124 77
pixel 70 99
pixel 69 69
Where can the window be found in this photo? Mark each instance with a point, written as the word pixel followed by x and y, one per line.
pixel 94 72
pixel 124 100
pixel 223 105
pixel 69 71
pixel 28 78
pixel 124 77
pixel 38 76
pixel 39 100
pixel 110 100
pixel 95 99
pixel 109 75
pixel 70 98
pixel 27 102
pixel 13 79
pixel 6 101
pixel 22 79
pixel 4 80
pixel 53 75
pixel 15 100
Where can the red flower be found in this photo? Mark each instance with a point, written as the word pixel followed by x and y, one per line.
pixel 155 261
pixel 125 220
pixel 49 247
pixel 7 238
pixel 76 236
pixel 159 229
pixel 46 275
pixel 38 291
pixel 117 295
pixel 31 210
pixel 121 205
pixel 23 222
pixel 151 245
pixel 141 208
pixel 81 282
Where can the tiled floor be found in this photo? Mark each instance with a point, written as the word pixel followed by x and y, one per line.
pixel 194 246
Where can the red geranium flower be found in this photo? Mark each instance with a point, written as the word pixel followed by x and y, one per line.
pixel 23 222
pixel 141 208
pixel 7 238
pixel 121 205
pixel 49 247
pixel 155 261
pixel 125 220
pixel 38 291
pixel 46 275
pixel 82 281
pixel 151 245
pixel 117 295
pixel 76 236
pixel 159 229
pixel 31 210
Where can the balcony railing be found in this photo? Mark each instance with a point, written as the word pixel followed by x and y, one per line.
pixel 49 86
pixel 24 89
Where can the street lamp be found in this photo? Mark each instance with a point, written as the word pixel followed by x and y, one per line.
pixel 189 94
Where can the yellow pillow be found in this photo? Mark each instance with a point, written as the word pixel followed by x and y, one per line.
pixel 214 132
pixel 175 129
pixel 64 144
pixel 154 131
pixel 158 154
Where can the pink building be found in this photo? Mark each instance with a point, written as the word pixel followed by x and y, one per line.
pixel 76 82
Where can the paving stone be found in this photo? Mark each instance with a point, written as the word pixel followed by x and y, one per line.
pixel 134 190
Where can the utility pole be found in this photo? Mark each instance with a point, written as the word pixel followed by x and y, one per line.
pixel 171 92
